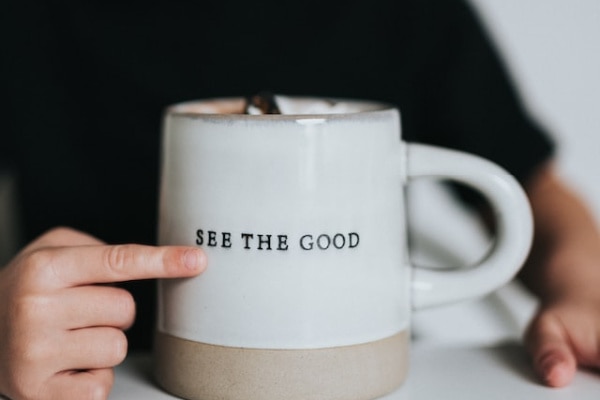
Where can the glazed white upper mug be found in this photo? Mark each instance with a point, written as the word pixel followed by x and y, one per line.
pixel 302 216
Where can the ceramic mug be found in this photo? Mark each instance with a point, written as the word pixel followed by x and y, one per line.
pixel 309 291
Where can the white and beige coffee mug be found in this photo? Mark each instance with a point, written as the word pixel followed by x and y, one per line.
pixel 309 290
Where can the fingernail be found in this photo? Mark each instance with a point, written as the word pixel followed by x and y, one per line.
pixel 194 260
pixel 553 372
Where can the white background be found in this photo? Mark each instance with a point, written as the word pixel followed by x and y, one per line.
pixel 552 48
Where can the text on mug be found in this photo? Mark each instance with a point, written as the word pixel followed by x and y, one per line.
pixel 256 241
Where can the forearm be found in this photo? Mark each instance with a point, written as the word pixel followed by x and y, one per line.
pixel 565 258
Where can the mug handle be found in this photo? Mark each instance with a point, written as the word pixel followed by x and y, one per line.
pixel 513 217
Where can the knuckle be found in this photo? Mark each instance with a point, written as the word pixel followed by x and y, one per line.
pixel 31 310
pixel 49 236
pixel 59 231
pixel 40 268
pixel 118 258
pixel 36 352
pixel 35 264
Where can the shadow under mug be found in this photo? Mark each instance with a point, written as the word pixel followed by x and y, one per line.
pixel 309 291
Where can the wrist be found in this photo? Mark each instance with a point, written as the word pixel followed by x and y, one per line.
pixel 564 269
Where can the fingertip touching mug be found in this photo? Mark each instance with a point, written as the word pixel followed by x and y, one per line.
pixel 309 290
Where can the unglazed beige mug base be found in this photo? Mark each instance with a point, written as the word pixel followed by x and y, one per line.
pixel 200 371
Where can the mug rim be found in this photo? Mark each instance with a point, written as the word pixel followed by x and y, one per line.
pixel 372 108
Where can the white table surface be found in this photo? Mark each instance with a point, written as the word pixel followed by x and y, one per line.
pixel 477 373
pixel 468 351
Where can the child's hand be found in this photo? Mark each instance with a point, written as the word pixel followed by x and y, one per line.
pixel 563 270
pixel 562 336
pixel 60 332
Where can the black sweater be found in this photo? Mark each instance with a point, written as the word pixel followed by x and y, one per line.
pixel 83 86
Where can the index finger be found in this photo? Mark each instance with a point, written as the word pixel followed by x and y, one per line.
pixel 81 265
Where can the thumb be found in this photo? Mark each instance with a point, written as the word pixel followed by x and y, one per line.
pixel 548 344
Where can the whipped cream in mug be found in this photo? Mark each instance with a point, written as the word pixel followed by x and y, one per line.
pixel 266 103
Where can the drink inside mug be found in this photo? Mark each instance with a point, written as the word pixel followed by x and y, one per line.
pixel 267 104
